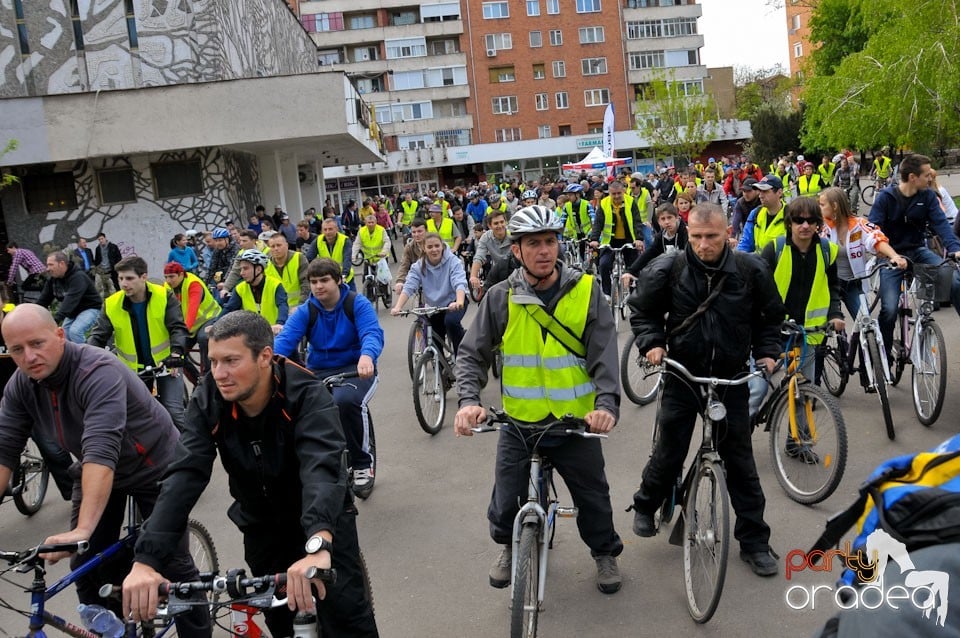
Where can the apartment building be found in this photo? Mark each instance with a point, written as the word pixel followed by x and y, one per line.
pixel 798 14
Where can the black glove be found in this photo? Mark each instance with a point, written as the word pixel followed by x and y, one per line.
pixel 175 360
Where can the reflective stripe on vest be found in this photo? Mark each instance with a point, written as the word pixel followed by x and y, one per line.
pixel 371 244
pixel 267 308
pixel 626 211
pixel 445 232
pixel 409 212
pixel 763 232
pixel 541 377
pixel 882 168
pixel 336 254
pixel 123 332
pixel 818 304
pixel 290 277
pixel 209 308
pixel 809 189
pixel 582 219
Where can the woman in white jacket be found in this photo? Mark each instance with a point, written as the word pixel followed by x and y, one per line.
pixel 857 239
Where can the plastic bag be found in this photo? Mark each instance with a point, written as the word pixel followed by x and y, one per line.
pixel 383 272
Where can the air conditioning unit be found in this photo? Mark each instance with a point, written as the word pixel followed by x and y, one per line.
pixel 491 53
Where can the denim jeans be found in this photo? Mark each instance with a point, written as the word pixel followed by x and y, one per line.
pixel 77 328
pixel 170 393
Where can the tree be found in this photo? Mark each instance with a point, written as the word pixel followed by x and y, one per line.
pixel 840 29
pixel 6 179
pixel 902 88
pixel 674 120
pixel 774 132
pixel 754 88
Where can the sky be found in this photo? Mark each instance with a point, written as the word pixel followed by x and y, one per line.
pixel 744 32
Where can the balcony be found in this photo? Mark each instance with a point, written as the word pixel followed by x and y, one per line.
pixel 678 73
pixel 659 44
pixel 418 127
pixel 633 11
pixel 374 35
pixel 356 5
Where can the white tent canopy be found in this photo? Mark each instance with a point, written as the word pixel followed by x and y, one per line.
pixel 595 159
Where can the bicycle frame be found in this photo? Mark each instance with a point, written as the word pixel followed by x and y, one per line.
pixel 541 506
pixel 867 325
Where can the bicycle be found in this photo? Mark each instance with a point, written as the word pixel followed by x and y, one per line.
pixel 618 295
pixel 838 360
pixel 918 340
pixel 341 379
pixel 201 548
pixel 29 480
pixel 150 374
pixel 535 524
pixel 869 192
pixel 432 373
pixel 640 380
pixel 704 526
pixel 373 289
pixel 808 436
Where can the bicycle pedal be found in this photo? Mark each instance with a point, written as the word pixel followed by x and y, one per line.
pixel 567 512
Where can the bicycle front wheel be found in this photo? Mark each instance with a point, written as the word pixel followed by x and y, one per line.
pixel 429 395
pixel 525 609
pixel 706 540
pixel 30 480
pixel 867 194
pixel 929 374
pixel 835 374
pixel 416 344
pixel 616 291
pixel 808 462
pixel 880 381
pixel 639 387
pixel 899 355
pixel 204 554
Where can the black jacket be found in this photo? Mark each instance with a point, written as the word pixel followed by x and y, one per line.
pixel 745 316
pixel 600 218
pixel 801 279
pixel 300 477
pixel 658 248
pixel 113 254
pixel 75 291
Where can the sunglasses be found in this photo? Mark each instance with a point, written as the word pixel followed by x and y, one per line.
pixel 800 221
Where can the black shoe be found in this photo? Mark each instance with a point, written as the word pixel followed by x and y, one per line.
pixel 762 563
pixel 643 524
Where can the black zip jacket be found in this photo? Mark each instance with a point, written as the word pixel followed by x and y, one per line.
pixel 285 467
pixel 75 291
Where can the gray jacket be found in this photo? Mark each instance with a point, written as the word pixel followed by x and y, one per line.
pixel 489 247
pixel 486 332
pixel 97 409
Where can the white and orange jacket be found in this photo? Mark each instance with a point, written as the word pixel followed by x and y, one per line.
pixel 861 240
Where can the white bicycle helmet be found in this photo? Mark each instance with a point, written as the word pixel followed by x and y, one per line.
pixel 534 219
pixel 220 233
pixel 255 257
pixel 531 194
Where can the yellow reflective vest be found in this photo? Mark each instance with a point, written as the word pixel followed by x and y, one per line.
pixel 818 305
pixel 808 187
pixel 290 277
pixel 626 211
pixel 336 254
pixel 765 231
pixel 409 211
pixel 124 336
pixel 371 243
pixel 267 308
pixel 881 166
pixel 826 173
pixel 445 232
pixel 581 218
pixel 541 377
pixel 209 308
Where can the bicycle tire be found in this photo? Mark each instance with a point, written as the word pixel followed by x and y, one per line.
pixel 30 480
pixel 868 193
pixel 835 373
pixel 428 390
pixel 204 554
pixel 638 387
pixel 664 513
pixel 931 375
pixel 477 293
pixel 367 587
pixel 525 609
pixel 809 483
pixel 614 303
pixel 706 540
pixel 898 356
pixel 880 380
pixel 416 344
pixel 622 295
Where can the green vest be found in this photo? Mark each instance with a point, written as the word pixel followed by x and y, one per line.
pixel 209 308
pixel 581 219
pixel 409 211
pixel 764 232
pixel 626 211
pixel 809 188
pixel 371 244
pixel 336 254
pixel 267 308
pixel 882 167
pixel 290 277
pixel 123 333
pixel 445 232
pixel 818 305
pixel 826 172
pixel 541 377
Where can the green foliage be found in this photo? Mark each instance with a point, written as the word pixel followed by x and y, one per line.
pixel 839 27
pixel 902 89
pixel 755 88
pixel 6 179
pixel 672 122
pixel 774 132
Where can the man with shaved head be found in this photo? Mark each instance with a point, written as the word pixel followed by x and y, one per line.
pixel 94 407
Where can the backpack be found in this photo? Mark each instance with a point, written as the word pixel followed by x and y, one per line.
pixel 915 498
pixel 348 303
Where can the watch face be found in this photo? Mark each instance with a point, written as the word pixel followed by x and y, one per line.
pixel 314 545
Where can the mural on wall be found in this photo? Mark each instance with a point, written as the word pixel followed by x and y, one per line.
pixel 144 227
pixel 179 41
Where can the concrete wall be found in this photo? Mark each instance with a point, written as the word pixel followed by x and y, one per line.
pixel 231 191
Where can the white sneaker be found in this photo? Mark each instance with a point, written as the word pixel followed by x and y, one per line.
pixel 363 482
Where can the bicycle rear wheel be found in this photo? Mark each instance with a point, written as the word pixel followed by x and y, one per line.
pixel 868 193
pixel 929 374
pixel 525 609
pixel 429 395
pixel 808 466
pixel 416 344
pixel 30 480
pixel 706 540
pixel 639 387
pixel 616 291
pixel 835 373
pixel 873 348
pixel 204 554
pixel 899 356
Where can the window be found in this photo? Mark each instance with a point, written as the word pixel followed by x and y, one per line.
pixel 539 72
pixel 553 7
pixel 596 97
pixel 798 50
pixel 533 7
pixel 499 41
pixel 494 10
pixel 536 39
pixel 440 12
pixel 505 105
pixel 795 22
pixel 362 22
pixel 556 37
pixel 322 22
pixel 594 128
pixel 591 35
pixel 594 66
pixel 444 47
pixel 402 112
pixel 363 54
pixel 564 130
pixel 563 100
pixel 543 102
pixel 177 179
pixel 693 57
pixel 449 108
pixel 508 135
pixel 502 74
pixel 646 60
pixel 543 131
pixel 401 18
pixel 53 191
pixel 666 28
pixel 455 137
pixel 689 87
pixel 559 69
pixel 588 6
pixel 116 186
pixel 370 85
pixel 405 48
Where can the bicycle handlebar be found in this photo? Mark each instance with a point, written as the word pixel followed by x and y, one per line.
pixel 32 554
pixel 496 416
pixel 336 380
pixel 424 311
pixel 235 584
pixel 714 381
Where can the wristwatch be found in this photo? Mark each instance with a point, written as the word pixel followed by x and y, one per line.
pixel 316 544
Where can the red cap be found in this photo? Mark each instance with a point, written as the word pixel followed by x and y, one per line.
pixel 174 267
